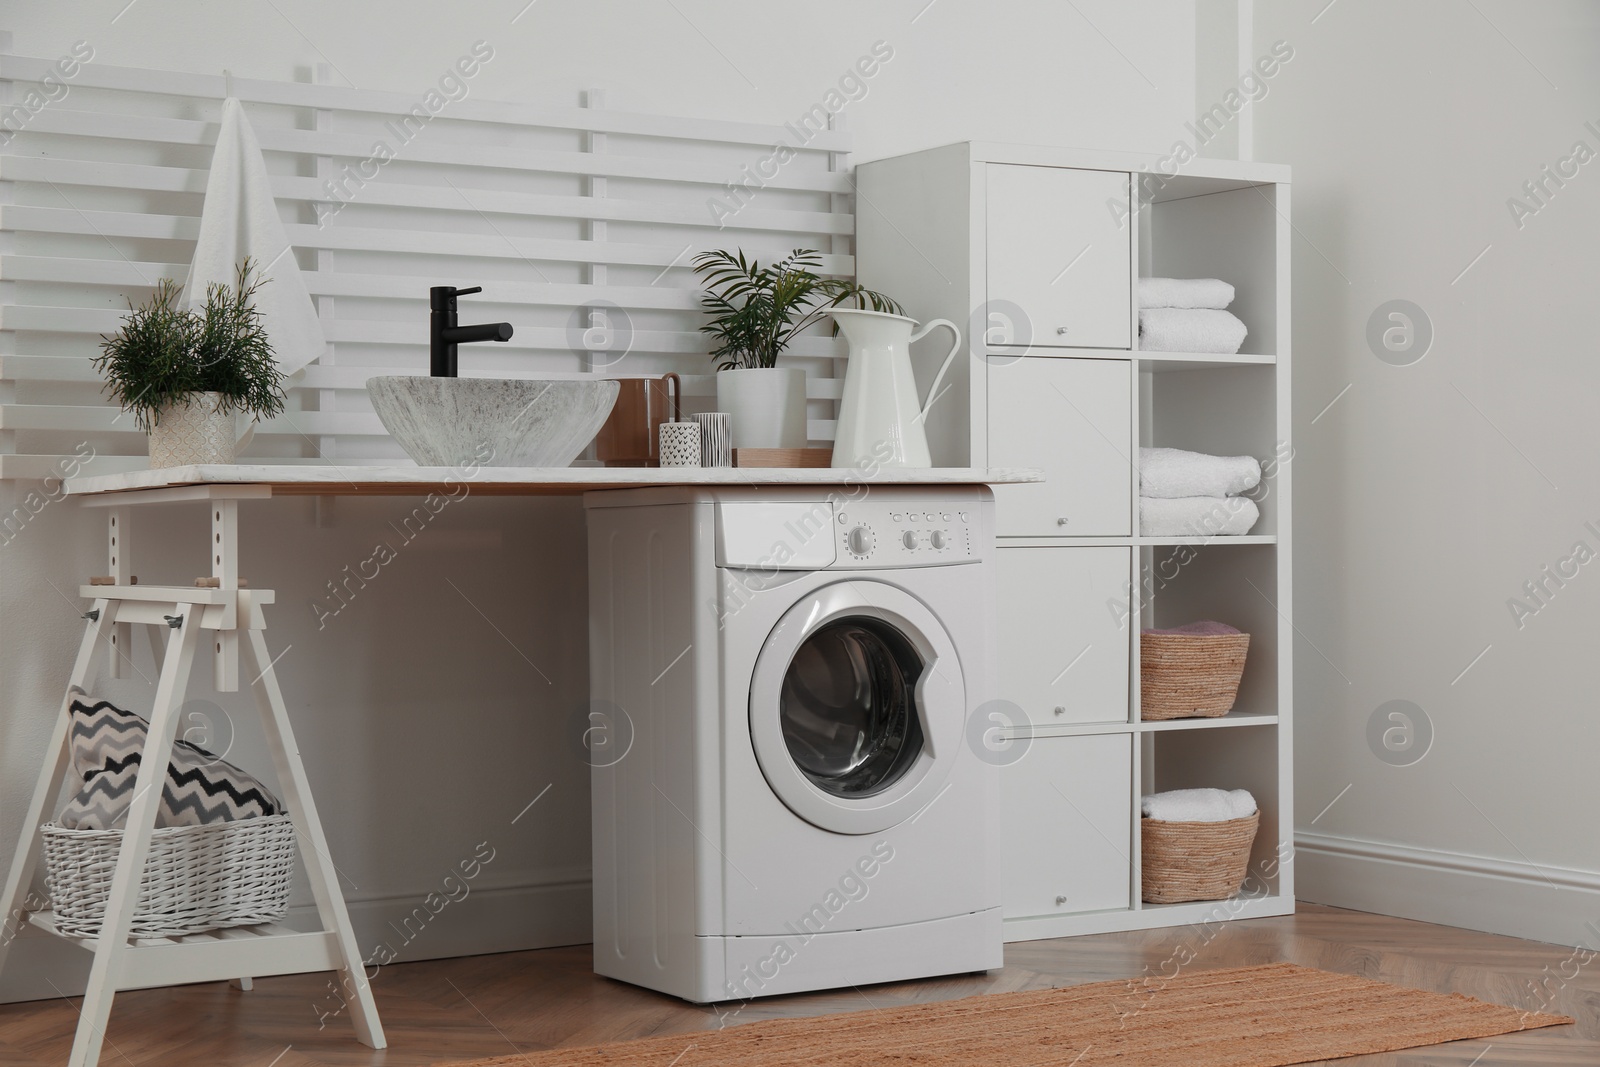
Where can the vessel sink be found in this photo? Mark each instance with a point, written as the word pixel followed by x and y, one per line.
pixel 492 422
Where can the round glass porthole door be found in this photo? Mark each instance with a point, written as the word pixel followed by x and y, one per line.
pixel 856 707
pixel 848 706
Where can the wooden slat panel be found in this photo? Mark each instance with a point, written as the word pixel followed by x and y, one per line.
pixel 65 298
pixel 72 369
pixel 358 146
pixel 20 218
pixel 84 419
pixel 133 274
pixel 339 98
pixel 300 424
pixel 376 332
pixel 39 467
pixel 433 197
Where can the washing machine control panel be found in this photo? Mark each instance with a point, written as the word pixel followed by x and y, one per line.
pixel 897 533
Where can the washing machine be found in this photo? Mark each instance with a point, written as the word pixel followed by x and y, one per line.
pixel 784 794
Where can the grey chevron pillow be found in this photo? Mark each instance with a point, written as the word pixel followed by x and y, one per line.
pixel 200 787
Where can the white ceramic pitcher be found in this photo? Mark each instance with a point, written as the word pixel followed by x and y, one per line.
pixel 881 414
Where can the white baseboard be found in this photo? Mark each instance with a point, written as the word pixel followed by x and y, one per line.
pixel 1554 904
pixel 504 919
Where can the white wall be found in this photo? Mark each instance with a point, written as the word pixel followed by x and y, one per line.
pixel 424 720
pixel 1428 494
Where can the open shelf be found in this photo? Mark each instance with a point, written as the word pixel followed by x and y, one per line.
pixel 1224 759
pixel 1197 911
pixel 1236 585
pixel 1220 539
pixel 1167 362
pixel 1199 228
pixel 1219 410
pixel 1233 718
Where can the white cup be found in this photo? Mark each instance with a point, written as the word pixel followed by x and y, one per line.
pixel 680 444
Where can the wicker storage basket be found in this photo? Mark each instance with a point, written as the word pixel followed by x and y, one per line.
pixel 1194 860
pixel 1189 675
pixel 196 878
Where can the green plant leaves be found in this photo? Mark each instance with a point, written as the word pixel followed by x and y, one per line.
pixel 165 353
pixel 755 312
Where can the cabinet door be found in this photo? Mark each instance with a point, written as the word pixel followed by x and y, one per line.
pixel 1063 654
pixel 1058 252
pixel 1066 810
pixel 1073 418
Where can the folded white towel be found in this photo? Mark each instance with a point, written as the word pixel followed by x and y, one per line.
pixel 1197 516
pixel 1172 472
pixel 1198 805
pixel 1184 293
pixel 1190 330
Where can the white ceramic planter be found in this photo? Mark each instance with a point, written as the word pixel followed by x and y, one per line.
pixel 766 405
pixel 196 431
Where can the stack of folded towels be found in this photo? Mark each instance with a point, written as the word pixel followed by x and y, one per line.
pixel 1188 315
pixel 1188 494
pixel 1199 805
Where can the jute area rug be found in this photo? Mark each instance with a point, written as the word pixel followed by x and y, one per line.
pixel 1264 1016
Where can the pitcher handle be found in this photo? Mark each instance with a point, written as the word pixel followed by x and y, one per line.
pixel 933 390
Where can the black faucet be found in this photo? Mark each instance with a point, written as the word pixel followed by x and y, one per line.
pixel 444 334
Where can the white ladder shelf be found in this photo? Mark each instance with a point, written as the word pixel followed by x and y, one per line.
pixel 230 619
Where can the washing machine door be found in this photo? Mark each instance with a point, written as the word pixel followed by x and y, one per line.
pixel 856 707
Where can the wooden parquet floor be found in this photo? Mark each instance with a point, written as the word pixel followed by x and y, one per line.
pixel 446 1010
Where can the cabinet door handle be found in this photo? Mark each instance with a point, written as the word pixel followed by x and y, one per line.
pixel 1062 521
pixel 1061 709
pixel 1061 330
pixel 1060 901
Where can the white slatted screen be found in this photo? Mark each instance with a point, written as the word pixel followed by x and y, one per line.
pixel 552 210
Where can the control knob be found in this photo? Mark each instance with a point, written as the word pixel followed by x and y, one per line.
pixel 859 541
pixel 938 539
pixel 909 539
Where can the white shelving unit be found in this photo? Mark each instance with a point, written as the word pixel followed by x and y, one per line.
pixel 1038 251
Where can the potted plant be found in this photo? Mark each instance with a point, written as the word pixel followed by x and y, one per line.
pixel 184 372
pixel 755 313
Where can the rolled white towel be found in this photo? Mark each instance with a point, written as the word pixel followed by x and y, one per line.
pixel 1172 472
pixel 1190 330
pixel 1184 293
pixel 1197 516
pixel 1198 805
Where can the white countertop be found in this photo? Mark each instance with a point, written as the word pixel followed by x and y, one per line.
pixel 326 479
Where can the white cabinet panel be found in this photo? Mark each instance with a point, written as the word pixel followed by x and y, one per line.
pixel 1057 251
pixel 1073 418
pixel 1066 811
pixel 1063 657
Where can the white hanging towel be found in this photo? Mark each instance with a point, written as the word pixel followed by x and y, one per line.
pixel 239 219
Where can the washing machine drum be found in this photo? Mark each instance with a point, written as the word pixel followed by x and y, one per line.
pixel 856 707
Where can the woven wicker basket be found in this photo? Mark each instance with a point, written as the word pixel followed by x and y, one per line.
pixel 1194 860
pixel 1189 675
pixel 196 878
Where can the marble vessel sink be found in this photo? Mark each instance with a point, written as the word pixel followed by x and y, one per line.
pixel 492 422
